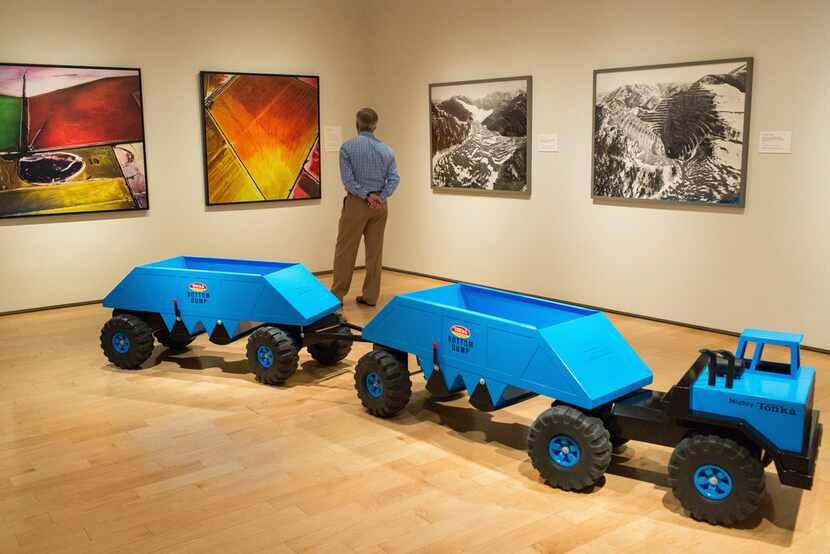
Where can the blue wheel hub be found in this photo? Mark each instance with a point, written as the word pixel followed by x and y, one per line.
pixel 121 342
pixel 564 451
pixel 713 482
pixel 374 385
pixel 265 356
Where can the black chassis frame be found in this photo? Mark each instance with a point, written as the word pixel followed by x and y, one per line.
pixel 322 330
pixel 666 419
pixel 644 415
pixel 656 417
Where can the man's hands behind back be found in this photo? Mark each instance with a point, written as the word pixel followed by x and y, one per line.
pixel 375 201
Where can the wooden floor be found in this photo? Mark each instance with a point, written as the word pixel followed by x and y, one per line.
pixel 190 454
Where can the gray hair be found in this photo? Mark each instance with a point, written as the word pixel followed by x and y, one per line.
pixel 367 120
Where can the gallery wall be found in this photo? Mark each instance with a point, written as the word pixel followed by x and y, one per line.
pixel 766 265
pixel 63 259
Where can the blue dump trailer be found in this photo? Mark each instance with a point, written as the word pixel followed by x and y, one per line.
pixel 728 417
pixel 280 307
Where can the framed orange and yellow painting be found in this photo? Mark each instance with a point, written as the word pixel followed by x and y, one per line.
pixel 261 137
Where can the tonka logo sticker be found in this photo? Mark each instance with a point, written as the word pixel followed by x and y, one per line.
pixel 763 406
pixel 460 331
pixel 775 408
pixel 196 286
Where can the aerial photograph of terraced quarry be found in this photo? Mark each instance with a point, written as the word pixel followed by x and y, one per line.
pixel 479 133
pixel 673 133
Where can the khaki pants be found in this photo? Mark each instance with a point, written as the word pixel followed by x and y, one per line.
pixel 357 219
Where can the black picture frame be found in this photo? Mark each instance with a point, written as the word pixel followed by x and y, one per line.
pixel 741 203
pixel 529 144
pixel 204 115
pixel 143 142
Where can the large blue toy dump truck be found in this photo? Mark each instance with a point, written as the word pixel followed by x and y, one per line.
pixel 280 307
pixel 728 417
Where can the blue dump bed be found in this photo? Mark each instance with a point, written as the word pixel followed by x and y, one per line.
pixel 517 344
pixel 235 292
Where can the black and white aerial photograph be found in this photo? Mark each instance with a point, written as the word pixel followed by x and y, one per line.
pixel 673 133
pixel 479 132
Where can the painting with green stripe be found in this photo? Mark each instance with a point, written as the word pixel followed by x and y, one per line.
pixel 71 140
pixel 10 122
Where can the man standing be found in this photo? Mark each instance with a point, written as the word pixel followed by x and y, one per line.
pixel 370 175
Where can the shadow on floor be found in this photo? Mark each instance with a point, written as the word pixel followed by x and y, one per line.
pixel 469 424
pixel 196 358
pixel 642 469
pixel 473 425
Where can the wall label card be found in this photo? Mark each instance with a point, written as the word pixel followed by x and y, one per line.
pixel 775 142
pixel 332 138
pixel 549 143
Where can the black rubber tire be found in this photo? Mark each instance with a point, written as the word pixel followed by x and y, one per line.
pixel 744 467
pixel 589 432
pixel 331 352
pixel 285 358
pixel 165 339
pixel 139 334
pixel 397 386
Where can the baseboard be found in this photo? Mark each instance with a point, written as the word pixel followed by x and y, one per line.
pixel 451 280
pixel 88 302
pixel 600 308
pixel 331 271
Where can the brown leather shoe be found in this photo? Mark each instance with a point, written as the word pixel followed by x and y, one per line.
pixel 361 300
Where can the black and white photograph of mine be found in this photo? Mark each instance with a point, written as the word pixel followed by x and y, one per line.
pixel 673 133
pixel 479 132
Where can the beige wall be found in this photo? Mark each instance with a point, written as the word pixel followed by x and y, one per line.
pixel 767 265
pixel 56 260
